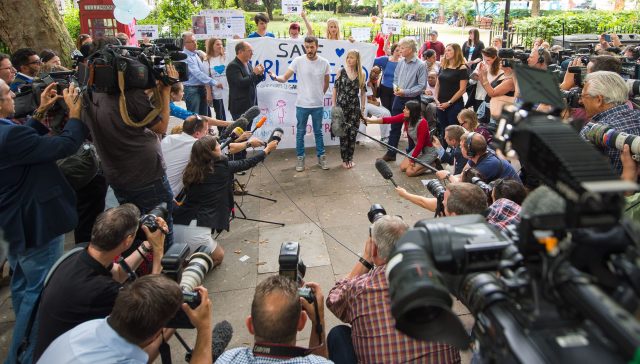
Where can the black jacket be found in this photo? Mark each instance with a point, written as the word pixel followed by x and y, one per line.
pixel 211 201
pixel 242 87
pixel 476 52
pixel 36 202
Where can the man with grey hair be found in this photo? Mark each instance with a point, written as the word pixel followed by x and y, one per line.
pixel 604 96
pixel 361 299
pixel 409 82
pixel 195 88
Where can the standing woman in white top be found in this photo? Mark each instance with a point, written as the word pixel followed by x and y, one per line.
pixel 491 63
pixel 215 61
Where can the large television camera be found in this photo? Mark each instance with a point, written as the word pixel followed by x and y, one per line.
pixel 561 287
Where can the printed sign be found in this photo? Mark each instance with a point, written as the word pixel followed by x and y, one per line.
pixel 361 34
pixel 225 23
pixel 148 31
pixel 292 7
pixel 391 26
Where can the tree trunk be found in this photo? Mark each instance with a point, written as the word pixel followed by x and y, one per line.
pixel 535 8
pixel 268 5
pixel 42 28
pixel 379 7
pixel 619 5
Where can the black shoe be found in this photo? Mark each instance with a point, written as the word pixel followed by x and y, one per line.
pixel 388 158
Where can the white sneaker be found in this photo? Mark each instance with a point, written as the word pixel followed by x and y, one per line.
pixel 322 162
pixel 300 164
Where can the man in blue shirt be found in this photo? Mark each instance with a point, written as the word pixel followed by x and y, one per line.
pixel 142 310
pixel 28 64
pixel 195 89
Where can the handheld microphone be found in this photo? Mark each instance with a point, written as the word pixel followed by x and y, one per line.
pixel 240 123
pixel 276 135
pixel 259 124
pixel 252 113
pixel 385 171
pixel 235 134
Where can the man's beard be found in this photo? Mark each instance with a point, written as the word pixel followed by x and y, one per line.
pixel 311 55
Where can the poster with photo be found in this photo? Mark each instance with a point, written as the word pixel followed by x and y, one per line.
pixel 221 23
pixel 147 31
pixel 199 25
pixel 292 7
pixel 391 26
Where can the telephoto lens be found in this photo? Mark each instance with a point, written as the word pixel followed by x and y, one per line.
pixel 606 136
pixel 480 183
pixel 200 263
pixel 436 189
pixel 375 212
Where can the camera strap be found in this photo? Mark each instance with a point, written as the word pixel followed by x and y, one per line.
pixel 156 101
pixel 281 351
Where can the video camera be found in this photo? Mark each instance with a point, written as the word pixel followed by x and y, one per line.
pixel 559 288
pixel 189 270
pixel 292 267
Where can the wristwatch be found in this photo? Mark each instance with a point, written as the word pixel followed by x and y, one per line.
pixel 248 144
pixel 366 263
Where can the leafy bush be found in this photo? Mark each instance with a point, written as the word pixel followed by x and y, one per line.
pixel 71 18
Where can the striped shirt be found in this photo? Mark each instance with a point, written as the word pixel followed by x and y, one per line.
pixel 364 303
pixel 410 76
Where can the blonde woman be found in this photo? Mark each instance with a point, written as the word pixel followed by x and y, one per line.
pixel 333 29
pixel 349 93
pixel 215 62
pixel 451 85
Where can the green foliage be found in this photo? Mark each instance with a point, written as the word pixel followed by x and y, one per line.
pixel 71 18
pixel 588 22
pixel 250 25
pixel 176 14
pixel 400 9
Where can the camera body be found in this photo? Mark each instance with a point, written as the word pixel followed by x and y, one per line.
pixel 436 188
pixel 149 220
pixel 291 265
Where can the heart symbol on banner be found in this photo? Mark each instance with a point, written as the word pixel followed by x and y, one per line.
pixel 339 51
pixel 229 26
pixel 219 69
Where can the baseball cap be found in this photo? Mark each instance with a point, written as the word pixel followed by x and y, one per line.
pixel 433 32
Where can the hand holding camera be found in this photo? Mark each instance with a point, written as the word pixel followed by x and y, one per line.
pixel 71 97
pixel 200 317
pixel 156 237
pixel 309 307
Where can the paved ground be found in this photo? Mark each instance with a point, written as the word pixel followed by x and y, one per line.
pixel 325 211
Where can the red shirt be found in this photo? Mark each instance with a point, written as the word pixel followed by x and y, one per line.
pixel 436 46
pixel 379 39
pixel 424 137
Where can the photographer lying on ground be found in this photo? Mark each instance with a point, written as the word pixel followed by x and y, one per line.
pixel 85 285
pixel 361 299
pixel 277 313
pixel 140 313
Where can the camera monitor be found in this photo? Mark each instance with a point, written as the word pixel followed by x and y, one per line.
pixel 538 86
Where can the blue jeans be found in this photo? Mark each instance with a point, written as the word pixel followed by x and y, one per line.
pixel 148 197
pixel 340 345
pixel 302 115
pixel 196 99
pixel 29 271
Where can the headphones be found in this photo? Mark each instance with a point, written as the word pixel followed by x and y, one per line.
pixel 471 153
pixel 541 55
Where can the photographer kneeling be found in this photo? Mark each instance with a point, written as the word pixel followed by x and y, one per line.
pixel 208 186
pixel 141 311
pixel 361 299
pixel 84 286
pixel 277 313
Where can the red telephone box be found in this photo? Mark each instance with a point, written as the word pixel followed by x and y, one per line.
pixel 96 19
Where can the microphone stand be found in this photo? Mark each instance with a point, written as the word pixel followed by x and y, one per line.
pixel 399 151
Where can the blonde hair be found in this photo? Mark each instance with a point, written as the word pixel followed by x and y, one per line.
pixel 210 48
pixel 335 21
pixel 469 117
pixel 361 77
pixel 458 58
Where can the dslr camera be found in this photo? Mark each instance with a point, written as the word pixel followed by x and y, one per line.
pixel 292 267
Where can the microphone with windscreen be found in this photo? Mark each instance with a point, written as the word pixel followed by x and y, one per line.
pixel 252 113
pixel 239 123
pixel 235 134
pixel 385 171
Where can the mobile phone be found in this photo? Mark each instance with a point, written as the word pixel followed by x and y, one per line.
pixel 607 37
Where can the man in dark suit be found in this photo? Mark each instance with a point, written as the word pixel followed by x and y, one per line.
pixel 242 84
pixel 37 205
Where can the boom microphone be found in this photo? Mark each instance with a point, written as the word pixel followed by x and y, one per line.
pixel 385 171
pixel 259 124
pixel 235 134
pixel 252 113
pixel 239 123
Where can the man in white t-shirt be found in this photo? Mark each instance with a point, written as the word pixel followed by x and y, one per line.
pixel 312 73
pixel 176 148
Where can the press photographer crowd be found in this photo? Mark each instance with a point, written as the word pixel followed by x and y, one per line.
pixel 532 156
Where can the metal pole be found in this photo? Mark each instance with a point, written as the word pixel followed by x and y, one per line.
pixel 505 30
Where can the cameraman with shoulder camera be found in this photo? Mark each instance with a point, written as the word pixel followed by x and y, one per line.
pixel 604 96
pixel 84 286
pixel 37 204
pixel 130 154
pixel 277 313
pixel 362 300
pixel 140 313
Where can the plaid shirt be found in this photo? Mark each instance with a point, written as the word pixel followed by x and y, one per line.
pixel 622 119
pixel 503 212
pixel 364 303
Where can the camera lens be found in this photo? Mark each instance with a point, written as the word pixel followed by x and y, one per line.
pixel 436 188
pixel 200 263
pixel 480 183
pixel 375 212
